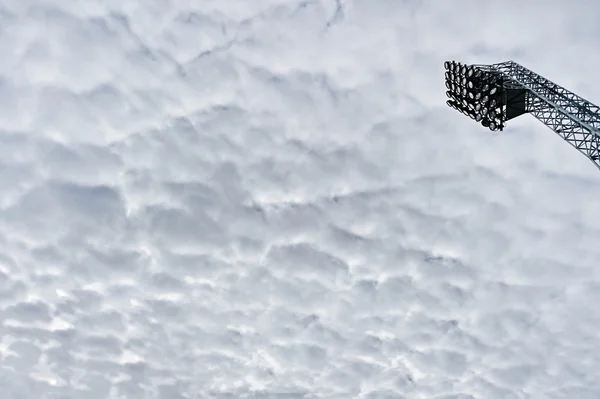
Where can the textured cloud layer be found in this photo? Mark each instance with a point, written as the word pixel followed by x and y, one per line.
pixel 246 199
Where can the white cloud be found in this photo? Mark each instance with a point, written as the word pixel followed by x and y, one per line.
pixel 253 198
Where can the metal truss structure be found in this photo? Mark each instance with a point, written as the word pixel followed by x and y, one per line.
pixel 518 90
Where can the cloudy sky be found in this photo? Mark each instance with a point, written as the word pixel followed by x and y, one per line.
pixel 270 198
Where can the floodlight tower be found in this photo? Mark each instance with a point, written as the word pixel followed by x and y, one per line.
pixel 494 94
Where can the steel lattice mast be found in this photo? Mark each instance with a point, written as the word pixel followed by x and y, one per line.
pixel 494 94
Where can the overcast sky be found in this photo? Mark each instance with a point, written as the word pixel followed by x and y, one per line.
pixel 233 198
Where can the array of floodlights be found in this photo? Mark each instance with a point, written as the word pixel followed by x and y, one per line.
pixel 476 93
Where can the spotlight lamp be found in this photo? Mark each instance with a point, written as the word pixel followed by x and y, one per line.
pixel 496 93
pixel 469 90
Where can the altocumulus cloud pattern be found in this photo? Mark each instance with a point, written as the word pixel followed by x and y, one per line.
pixel 270 199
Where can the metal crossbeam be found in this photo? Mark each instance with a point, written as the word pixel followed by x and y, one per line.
pixel 572 117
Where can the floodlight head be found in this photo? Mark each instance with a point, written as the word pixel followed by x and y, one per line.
pixel 471 91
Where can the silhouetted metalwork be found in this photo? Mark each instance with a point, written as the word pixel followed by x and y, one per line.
pixel 494 94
